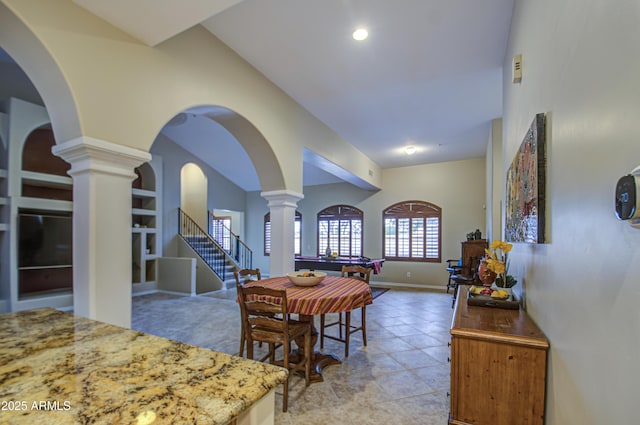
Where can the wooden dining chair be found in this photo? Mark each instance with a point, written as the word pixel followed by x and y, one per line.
pixel 358 272
pixel 242 276
pixel 265 317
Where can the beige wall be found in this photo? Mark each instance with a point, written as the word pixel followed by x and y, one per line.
pixel 457 187
pixel 494 181
pixel 222 193
pixel 140 88
pixel 581 67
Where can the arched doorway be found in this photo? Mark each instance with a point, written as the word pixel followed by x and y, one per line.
pixel 103 155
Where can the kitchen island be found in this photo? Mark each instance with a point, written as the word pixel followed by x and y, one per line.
pixel 58 368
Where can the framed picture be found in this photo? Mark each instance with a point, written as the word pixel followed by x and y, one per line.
pixel 525 204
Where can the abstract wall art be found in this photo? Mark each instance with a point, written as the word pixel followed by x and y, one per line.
pixel 525 204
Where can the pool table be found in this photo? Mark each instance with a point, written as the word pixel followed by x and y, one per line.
pixel 335 264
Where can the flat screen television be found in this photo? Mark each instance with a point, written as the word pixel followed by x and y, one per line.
pixel 44 240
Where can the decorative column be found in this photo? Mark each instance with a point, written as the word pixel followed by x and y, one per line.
pixel 102 173
pixel 282 206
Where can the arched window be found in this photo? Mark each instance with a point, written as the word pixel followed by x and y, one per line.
pixel 340 229
pixel 412 231
pixel 297 234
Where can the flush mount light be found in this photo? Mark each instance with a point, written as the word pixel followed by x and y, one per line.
pixel 410 150
pixel 360 34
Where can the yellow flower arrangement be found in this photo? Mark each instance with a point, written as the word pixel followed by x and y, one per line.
pixel 497 262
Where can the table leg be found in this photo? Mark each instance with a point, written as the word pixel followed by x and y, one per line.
pixel 318 360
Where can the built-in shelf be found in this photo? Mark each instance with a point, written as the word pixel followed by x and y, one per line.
pixel 145 217
pixel 143 193
pixel 46 180
pixel 140 211
pixel 34 181
pixel 45 204
pixel 143 230
pixel 59 266
pixel 4 227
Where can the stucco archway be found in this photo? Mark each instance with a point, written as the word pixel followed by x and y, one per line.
pixel 82 84
pixel 36 61
pixel 251 139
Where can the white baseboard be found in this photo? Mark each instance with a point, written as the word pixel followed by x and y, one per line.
pixel 215 292
pixel 165 291
pixel 400 285
pixel 150 291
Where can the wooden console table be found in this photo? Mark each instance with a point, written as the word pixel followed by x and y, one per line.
pixel 498 366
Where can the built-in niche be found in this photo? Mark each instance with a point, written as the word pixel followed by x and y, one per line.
pixel 44 175
pixel 44 230
pixel 145 239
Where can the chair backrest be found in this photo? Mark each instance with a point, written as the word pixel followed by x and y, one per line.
pixel 247 274
pixel 359 272
pixel 474 264
pixel 259 305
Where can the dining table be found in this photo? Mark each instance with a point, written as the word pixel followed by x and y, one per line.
pixel 334 294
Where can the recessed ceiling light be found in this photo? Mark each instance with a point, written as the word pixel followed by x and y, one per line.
pixel 410 150
pixel 360 34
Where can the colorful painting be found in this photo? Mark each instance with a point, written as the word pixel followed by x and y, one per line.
pixel 526 188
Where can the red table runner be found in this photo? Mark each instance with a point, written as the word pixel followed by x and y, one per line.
pixel 334 294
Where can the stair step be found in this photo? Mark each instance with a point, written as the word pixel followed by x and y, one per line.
pixel 214 257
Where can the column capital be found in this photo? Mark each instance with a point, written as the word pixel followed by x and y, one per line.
pixel 89 154
pixel 284 198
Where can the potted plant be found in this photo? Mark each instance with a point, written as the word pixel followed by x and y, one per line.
pixel 497 260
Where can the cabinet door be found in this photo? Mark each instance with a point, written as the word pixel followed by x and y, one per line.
pixel 496 384
pixel 470 251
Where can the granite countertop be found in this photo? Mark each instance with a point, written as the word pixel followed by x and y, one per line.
pixel 58 368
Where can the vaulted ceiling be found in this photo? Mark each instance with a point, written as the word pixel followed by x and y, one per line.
pixel 429 74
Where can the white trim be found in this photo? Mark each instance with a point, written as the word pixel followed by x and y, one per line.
pixel 147 292
pixel 283 197
pixel 87 154
pixel 182 294
pixel 46 180
pixel 43 204
pixel 381 284
pixel 143 193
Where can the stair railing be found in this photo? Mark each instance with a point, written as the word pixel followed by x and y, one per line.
pixel 203 244
pixel 237 249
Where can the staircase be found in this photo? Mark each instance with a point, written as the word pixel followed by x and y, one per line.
pixel 208 250
pixel 215 257
pixel 239 251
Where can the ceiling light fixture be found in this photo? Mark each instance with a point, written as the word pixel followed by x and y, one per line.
pixel 410 150
pixel 360 34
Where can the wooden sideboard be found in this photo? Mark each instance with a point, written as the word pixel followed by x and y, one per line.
pixel 470 251
pixel 498 366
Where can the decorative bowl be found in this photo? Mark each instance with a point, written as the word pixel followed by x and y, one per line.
pixel 306 278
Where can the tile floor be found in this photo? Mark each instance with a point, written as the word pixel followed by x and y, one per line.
pixel 401 377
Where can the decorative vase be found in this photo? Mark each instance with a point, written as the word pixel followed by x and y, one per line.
pixel 486 276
